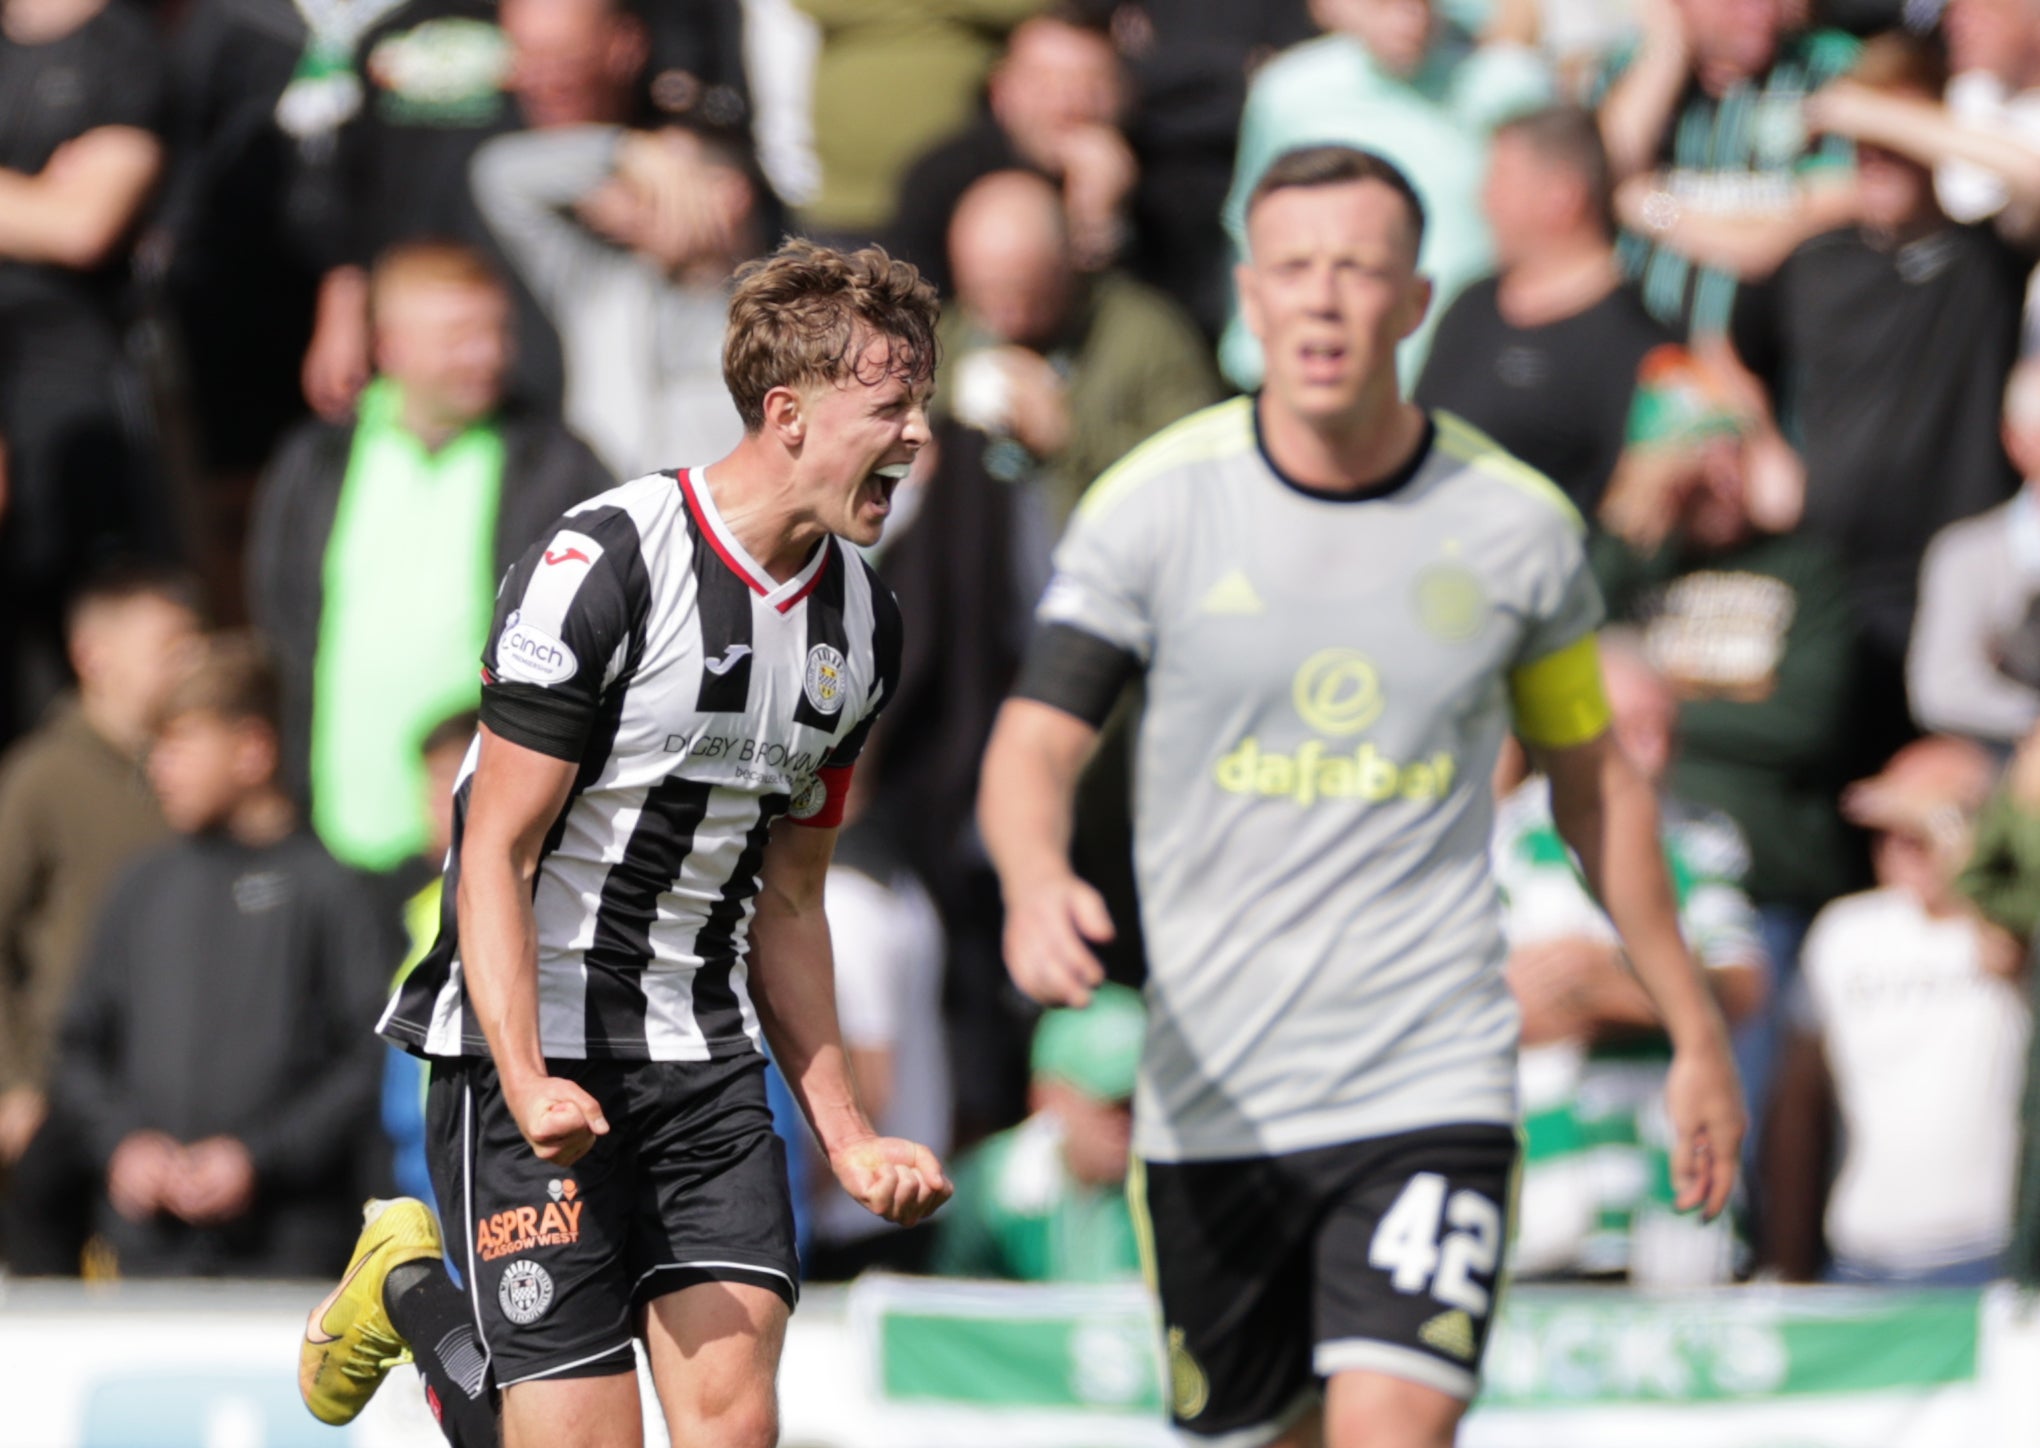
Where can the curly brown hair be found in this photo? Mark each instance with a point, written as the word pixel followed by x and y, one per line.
pixel 807 313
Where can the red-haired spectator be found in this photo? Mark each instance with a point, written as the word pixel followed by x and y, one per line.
pixel 377 545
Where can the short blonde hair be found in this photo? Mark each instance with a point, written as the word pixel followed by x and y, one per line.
pixel 805 314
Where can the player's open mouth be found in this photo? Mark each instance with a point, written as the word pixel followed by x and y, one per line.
pixel 882 482
pixel 1322 361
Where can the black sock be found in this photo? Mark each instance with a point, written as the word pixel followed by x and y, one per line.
pixel 434 1318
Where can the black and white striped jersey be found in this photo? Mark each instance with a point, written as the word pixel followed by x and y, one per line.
pixel 702 701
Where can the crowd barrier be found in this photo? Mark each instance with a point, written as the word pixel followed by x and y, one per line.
pixel 908 1363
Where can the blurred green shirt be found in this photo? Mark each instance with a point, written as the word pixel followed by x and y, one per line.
pixel 409 589
pixel 1018 1215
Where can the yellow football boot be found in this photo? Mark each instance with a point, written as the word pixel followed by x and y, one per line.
pixel 350 1344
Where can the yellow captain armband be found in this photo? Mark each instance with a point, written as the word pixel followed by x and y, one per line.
pixel 1558 699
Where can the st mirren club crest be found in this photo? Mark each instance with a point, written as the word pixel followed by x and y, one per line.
pixel 526 1293
pixel 808 802
pixel 826 679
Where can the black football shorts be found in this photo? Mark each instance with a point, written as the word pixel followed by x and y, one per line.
pixel 1279 1272
pixel 689 1186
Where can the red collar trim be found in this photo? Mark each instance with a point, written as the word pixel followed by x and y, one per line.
pixel 710 525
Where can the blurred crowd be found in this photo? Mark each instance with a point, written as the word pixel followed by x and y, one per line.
pixel 314 312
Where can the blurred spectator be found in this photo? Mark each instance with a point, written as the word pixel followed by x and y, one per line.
pixel 1075 370
pixel 443 751
pixel 238 285
pixel 377 545
pixel 781 43
pixel 1914 1021
pixel 2002 876
pixel 1046 1201
pixel 1996 163
pixel 1190 60
pixel 889 953
pixel 1993 87
pixel 1887 344
pixel 83 92
pixel 74 810
pixel 2002 880
pixel 695 71
pixel 1395 78
pixel 1718 176
pixel 1578 38
pixel 967 555
pixel 1054 104
pixel 216 1061
pixel 1752 631
pixel 1596 1195
pixel 1545 356
pixel 628 239
pixel 891 79
pixel 1978 588
pixel 436 78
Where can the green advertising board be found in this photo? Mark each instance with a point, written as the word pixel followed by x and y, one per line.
pixel 1823 1368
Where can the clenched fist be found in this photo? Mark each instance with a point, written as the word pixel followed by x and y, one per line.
pixel 898 1180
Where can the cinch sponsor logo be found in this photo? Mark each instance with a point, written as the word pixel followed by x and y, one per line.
pixel 524 1229
pixel 1313 773
pixel 534 650
pixel 532 656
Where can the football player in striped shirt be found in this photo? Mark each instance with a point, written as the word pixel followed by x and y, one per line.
pixel 679 680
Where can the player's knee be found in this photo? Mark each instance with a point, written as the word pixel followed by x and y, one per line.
pixel 747 1417
pixel 1372 1410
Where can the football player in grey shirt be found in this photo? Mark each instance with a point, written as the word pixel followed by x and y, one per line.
pixel 1340 606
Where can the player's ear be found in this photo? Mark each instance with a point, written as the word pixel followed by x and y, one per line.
pixel 786 416
pixel 1250 298
pixel 1417 304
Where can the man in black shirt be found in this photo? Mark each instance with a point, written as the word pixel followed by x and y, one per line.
pixel 1545 355
pixel 1053 105
pixel 213 1060
pixel 1883 348
pixel 82 87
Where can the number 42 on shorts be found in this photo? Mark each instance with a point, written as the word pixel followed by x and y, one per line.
pixel 1407 1245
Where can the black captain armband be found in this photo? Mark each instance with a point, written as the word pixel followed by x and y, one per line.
pixel 536 718
pixel 1076 672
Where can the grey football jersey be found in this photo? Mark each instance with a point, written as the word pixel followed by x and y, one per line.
pixel 1327 688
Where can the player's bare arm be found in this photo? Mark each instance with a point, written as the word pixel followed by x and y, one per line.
pixel 518 793
pixel 1608 814
pixel 1026 808
pixel 793 980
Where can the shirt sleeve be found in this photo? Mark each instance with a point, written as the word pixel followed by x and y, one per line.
pixel 1555 685
pixel 1564 603
pixel 1105 568
pixel 135 90
pixel 23 868
pixel 525 185
pixel 1096 619
pixel 568 632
